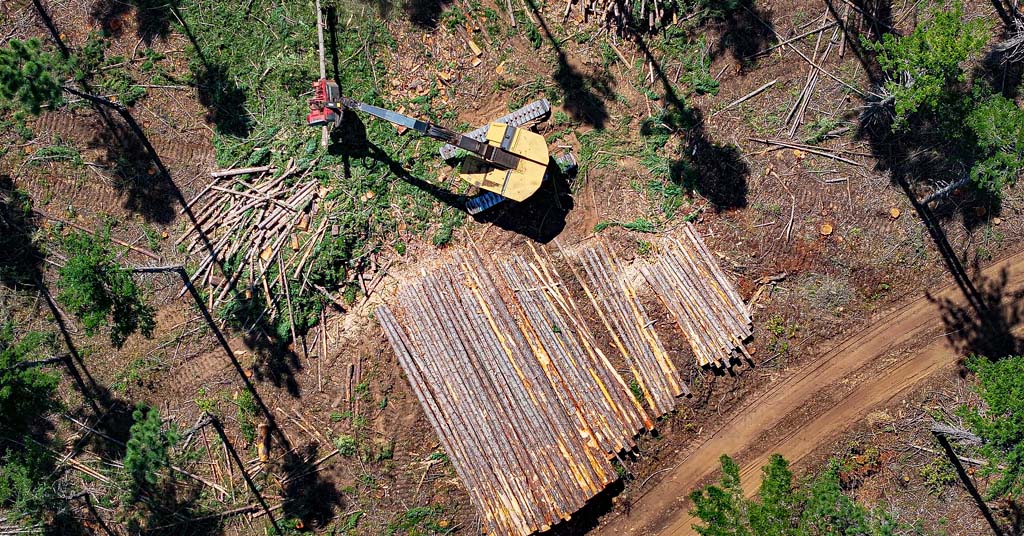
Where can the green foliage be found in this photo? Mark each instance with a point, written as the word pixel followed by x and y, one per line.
pixel 247 411
pixel 26 486
pixel 417 520
pixel 938 475
pixel 815 506
pixel 1000 424
pixel 998 127
pixel 346 445
pixel 694 58
pixel 24 77
pixel 638 392
pixel 99 291
pixel 146 452
pixel 640 225
pixel 26 396
pixel 926 64
pixel 26 393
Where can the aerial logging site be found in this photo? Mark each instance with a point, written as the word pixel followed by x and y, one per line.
pixel 511 267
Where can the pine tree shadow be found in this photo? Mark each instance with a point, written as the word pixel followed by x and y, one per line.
pixel 744 30
pixel 307 495
pixel 136 175
pixel 21 262
pixel 987 322
pixel 176 508
pixel 223 99
pixel 703 166
pixel 152 17
pixel 584 94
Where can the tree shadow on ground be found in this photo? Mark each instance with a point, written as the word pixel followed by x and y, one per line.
pixel 20 264
pixel 422 13
pixel 714 171
pixel 307 495
pixel 583 94
pixel 152 17
pixel 176 508
pixel 223 98
pixel 985 325
pixel 744 30
pixel 136 175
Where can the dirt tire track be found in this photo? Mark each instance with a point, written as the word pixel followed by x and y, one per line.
pixel 84 128
pixel 906 346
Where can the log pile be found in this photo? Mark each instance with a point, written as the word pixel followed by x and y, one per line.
pixel 631 331
pixel 254 235
pixel 497 399
pixel 510 373
pixel 590 389
pixel 700 298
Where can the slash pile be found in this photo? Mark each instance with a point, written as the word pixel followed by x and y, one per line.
pixel 254 233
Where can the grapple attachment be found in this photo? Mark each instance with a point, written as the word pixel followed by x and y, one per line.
pixel 324 92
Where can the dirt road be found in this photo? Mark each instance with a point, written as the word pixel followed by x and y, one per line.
pixel 813 405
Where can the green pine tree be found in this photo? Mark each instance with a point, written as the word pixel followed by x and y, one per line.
pixel 813 507
pixel 925 66
pixel 1000 424
pixel 147 448
pixel 99 291
pixel 25 75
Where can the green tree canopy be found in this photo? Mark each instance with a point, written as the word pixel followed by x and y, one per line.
pixel 26 392
pixel 147 448
pixel 99 291
pixel 925 65
pixel 25 76
pixel 813 507
pixel 26 396
pixel 1000 423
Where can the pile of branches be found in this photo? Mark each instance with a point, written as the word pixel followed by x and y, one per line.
pixel 255 235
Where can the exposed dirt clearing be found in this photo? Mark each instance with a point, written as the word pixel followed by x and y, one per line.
pixel 907 346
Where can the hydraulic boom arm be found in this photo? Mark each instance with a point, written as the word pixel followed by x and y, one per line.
pixel 489 153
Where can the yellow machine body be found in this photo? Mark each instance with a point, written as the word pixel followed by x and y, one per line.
pixel 518 183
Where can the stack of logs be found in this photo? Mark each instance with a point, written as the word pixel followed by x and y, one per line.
pixel 254 232
pixel 500 392
pixel 700 298
pixel 523 397
pixel 631 331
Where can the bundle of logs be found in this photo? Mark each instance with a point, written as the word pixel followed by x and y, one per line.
pixel 254 235
pixel 517 381
pixel 526 442
pixel 700 298
pixel 631 331
pixel 624 13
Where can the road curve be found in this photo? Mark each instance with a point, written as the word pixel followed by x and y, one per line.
pixel 901 349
